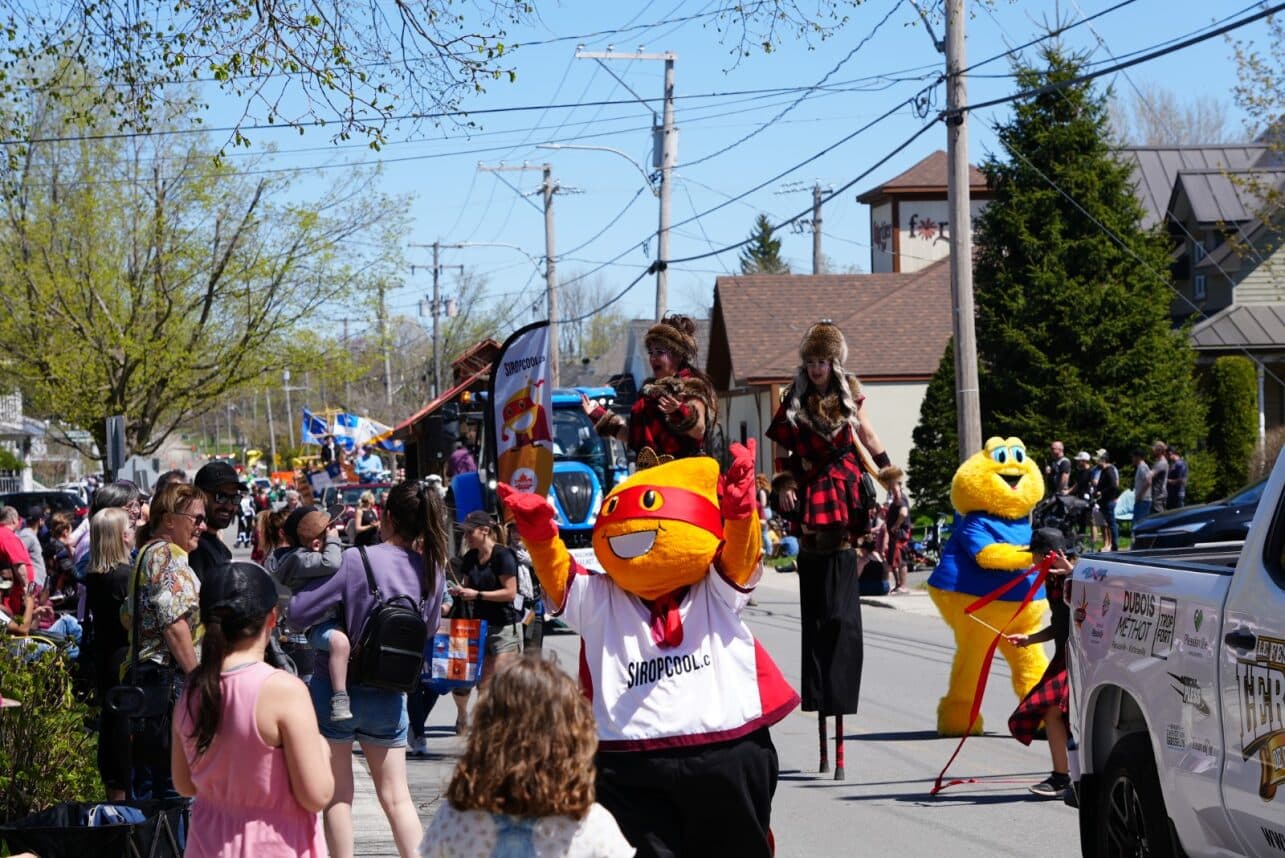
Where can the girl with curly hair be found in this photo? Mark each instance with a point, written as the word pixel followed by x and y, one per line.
pixel 525 785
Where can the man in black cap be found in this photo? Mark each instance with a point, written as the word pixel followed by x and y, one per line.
pixel 222 487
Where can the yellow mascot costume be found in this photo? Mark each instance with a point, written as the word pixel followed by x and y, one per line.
pixel 682 693
pixel 994 492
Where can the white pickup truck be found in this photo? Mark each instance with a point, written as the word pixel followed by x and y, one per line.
pixel 1177 704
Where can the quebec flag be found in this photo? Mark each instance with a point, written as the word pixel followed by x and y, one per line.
pixel 313 428
pixel 345 430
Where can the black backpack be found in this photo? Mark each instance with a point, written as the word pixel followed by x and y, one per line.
pixel 389 653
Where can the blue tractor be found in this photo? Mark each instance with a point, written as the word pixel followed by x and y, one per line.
pixel 585 466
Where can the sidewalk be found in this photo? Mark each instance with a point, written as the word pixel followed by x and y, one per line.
pixel 915 602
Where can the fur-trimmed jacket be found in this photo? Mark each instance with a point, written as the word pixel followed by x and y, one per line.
pixel 666 434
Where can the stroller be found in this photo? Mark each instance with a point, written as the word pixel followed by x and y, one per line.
pixel 1067 514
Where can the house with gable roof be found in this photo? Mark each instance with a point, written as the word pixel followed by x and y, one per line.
pixel 1226 263
pixel 896 325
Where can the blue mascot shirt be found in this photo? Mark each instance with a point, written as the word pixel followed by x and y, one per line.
pixel 959 571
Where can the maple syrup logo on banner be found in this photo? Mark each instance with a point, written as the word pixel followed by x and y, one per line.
pixel 1262 712
pixel 521 406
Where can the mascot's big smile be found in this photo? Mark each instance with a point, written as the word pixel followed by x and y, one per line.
pixel 627 546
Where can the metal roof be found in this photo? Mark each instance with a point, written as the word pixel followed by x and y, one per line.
pixel 1218 196
pixel 1241 326
pixel 1156 169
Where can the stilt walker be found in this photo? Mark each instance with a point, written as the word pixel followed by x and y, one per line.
pixel 827 444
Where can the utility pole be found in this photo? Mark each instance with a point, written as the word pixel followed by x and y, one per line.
pixel 347 380
pixel 547 189
pixel 664 158
pixel 436 308
pixel 967 396
pixel 383 335
pixel 272 429
pixel 816 228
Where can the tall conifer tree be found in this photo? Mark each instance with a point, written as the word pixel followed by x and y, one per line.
pixel 1074 336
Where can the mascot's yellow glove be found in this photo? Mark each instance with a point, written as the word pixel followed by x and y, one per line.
pixel 742 537
pixel 1004 557
pixel 535 522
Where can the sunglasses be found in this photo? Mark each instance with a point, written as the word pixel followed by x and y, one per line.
pixel 225 497
pixel 197 520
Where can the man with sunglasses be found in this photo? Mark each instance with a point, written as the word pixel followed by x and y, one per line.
pixel 223 488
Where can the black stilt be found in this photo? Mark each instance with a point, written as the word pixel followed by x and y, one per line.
pixel 825 750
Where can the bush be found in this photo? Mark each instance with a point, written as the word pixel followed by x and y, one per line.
pixel 1231 391
pixel 46 753
pixel 1202 471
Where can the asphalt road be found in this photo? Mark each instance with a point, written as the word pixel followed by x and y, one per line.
pixel 893 754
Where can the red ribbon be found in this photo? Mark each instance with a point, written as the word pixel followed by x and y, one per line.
pixel 1042 570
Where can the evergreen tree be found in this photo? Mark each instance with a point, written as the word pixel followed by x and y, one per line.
pixel 1231 389
pixel 763 254
pixel 935 455
pixel 1073 329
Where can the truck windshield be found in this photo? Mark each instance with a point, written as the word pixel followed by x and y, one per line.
pixel 574 439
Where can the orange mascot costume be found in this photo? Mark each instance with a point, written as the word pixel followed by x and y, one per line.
pixel 682 693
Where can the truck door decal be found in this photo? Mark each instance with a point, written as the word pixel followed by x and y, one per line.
pixel 1262 705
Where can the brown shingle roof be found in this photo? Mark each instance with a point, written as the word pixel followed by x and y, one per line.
pixel 928 175
pixel 897 325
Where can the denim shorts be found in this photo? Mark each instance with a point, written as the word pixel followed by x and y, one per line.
pixel 379 716
pixel 319 635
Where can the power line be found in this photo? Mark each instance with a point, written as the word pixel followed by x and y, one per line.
pixel 1115 67
pixel 804 96
pixel 1052 34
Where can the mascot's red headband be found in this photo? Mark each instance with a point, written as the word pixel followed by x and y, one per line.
pixel 663 502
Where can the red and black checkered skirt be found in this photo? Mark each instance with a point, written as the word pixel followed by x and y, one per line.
pixel 1050 691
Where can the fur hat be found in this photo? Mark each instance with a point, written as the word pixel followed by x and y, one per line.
pixel 824 340
pixel 676 333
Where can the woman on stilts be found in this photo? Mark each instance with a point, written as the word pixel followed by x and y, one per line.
pixel 821 427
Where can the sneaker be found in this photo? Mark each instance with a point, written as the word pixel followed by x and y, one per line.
pixel 1053 786
pixel 418 746
pixel 340 710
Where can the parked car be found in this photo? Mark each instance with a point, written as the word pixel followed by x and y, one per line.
pixel 55 501
pixel 1226 520
pixel 1176 664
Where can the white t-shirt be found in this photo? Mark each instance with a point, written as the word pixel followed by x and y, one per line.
pixel 717 684
pixel 476 833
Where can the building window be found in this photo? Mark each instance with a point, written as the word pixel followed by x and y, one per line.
pixel 1198 252
pixel 1198 287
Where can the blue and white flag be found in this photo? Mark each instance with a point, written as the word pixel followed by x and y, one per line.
pixel 345 430
pixel 377 434
pixel 313 428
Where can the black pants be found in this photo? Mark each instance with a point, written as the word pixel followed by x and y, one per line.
pixel 833 648
pixel 707 800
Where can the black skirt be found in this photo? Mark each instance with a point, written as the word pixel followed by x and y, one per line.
pixel 830 604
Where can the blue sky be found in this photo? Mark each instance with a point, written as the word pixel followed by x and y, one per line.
pixel 454 202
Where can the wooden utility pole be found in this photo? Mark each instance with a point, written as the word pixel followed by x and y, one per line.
pixel 816 228
pixel 547 190
pixel 664 159
pixel 967 396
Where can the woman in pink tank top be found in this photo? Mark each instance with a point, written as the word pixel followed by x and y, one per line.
pixel 246 742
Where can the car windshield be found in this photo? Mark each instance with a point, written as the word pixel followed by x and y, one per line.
pixel 574 438
pixel 1251 495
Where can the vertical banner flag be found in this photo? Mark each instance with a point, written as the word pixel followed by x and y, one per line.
pixel 313 428
pixel 345 430
pixel 522 410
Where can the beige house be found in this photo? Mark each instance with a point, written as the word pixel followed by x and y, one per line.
pixel 897 327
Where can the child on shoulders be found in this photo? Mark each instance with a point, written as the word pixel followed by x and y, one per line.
pixel 315 555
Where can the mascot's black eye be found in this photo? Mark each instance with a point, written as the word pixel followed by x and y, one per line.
pixel 612 503
pixel 1000 454
pixel 1019 455
pixel 651 500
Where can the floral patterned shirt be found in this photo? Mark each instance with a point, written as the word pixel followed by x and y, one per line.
pixel 479 834
pixel 171 592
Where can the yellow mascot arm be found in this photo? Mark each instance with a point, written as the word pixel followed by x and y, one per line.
pixel 1003 557
pixel 549 556
pixel 552 563
pixel 742 553
pixel 742 549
